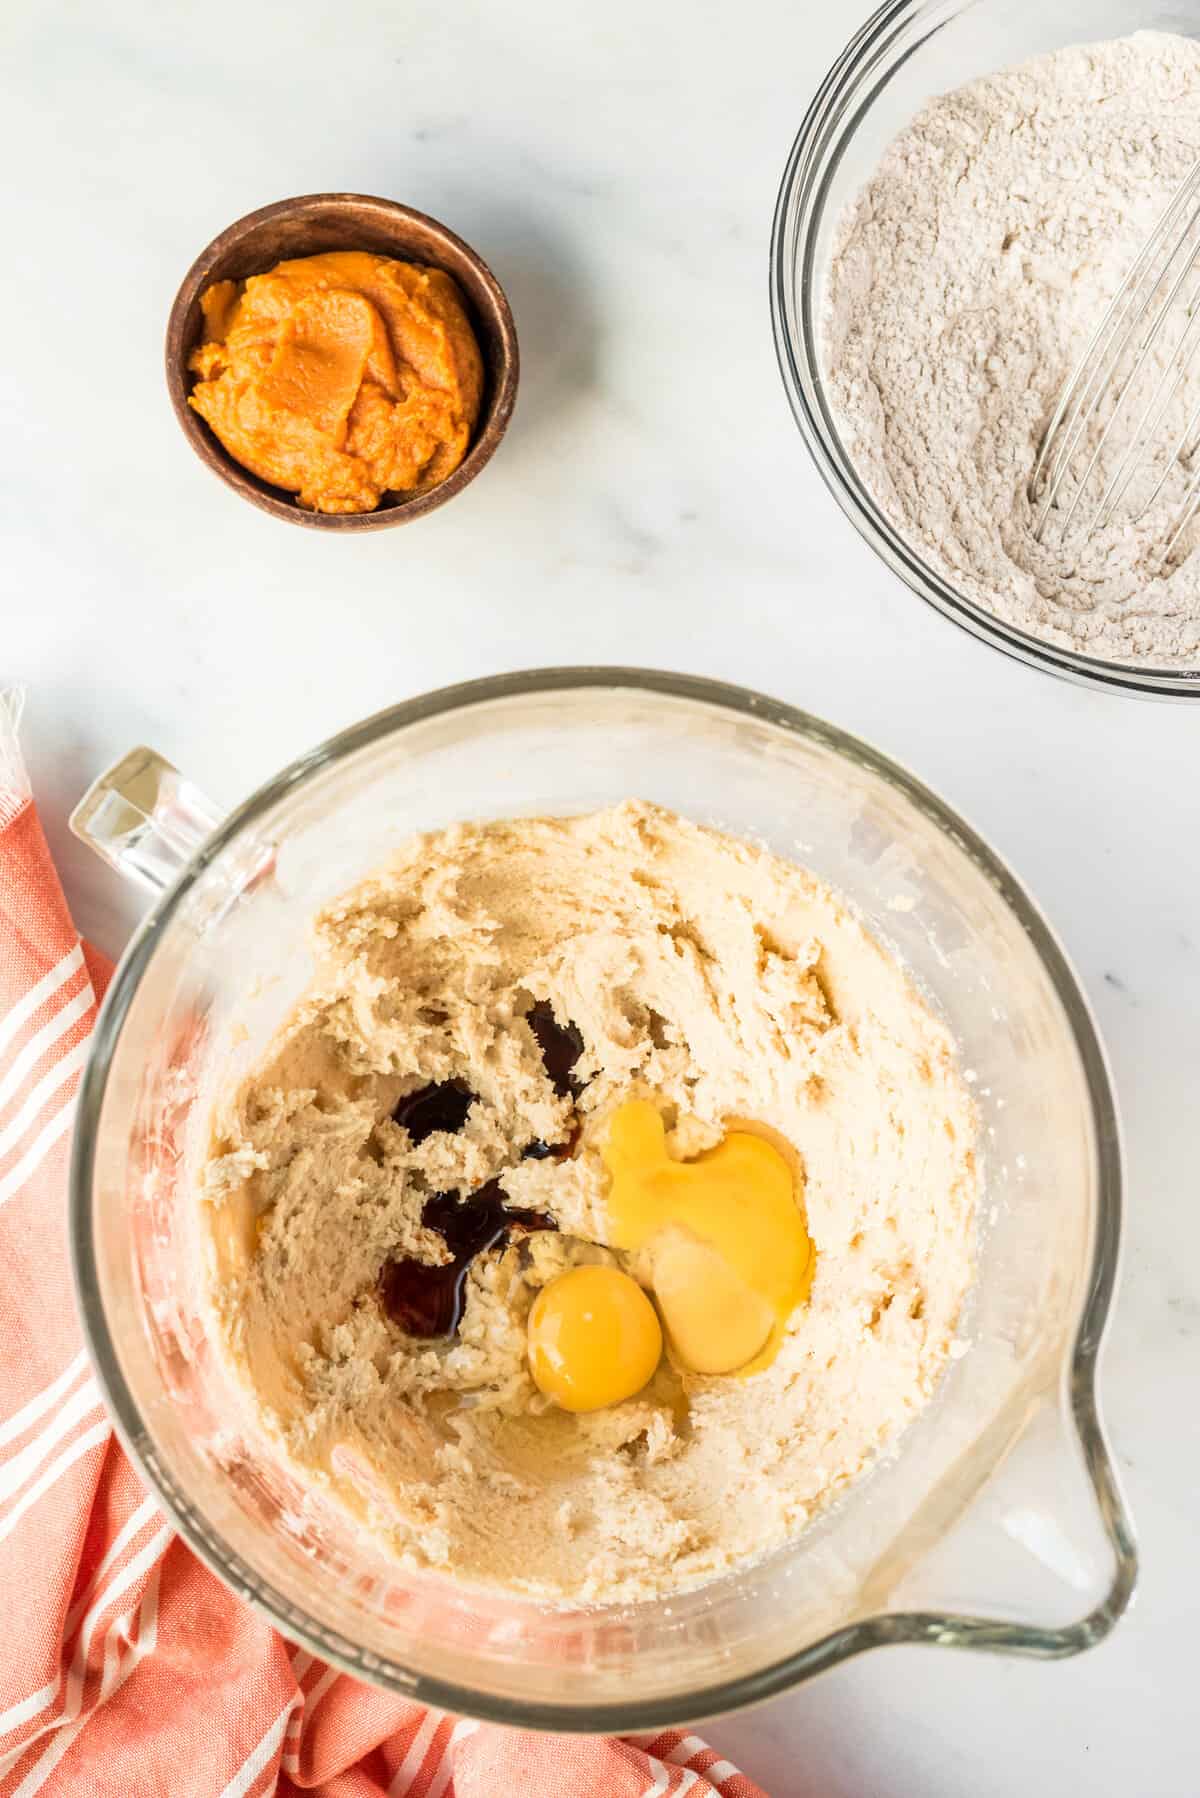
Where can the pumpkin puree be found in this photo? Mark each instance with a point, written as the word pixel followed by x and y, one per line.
pixel 340 377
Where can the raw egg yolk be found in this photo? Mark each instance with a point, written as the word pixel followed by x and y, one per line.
pixel 594 1338
pixel 722 1238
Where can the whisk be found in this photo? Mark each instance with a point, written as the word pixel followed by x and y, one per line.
pixel 1117 421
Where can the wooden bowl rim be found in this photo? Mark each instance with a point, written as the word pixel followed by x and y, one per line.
pixel 502 369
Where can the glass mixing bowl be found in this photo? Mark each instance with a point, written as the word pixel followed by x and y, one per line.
pixel 906 53
pixel 996 1523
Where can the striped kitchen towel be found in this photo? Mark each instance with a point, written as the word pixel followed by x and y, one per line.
pixel 126 1668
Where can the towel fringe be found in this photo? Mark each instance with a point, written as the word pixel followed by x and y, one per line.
pixel 13 778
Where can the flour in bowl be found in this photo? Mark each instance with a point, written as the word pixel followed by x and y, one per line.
pixel 966 280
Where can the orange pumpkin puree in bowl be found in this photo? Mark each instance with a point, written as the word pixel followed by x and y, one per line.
pixel 340 377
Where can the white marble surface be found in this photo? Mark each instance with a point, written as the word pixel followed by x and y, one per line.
pixel 653 503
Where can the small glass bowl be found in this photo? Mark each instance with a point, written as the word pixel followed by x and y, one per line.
pixel 906 53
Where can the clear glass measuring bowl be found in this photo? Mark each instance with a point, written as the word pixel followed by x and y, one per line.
pixel 908 51
pixel 997 1523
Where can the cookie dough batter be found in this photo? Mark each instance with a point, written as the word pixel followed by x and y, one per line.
pixel 516 983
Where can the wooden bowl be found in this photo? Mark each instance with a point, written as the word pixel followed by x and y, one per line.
pixel 304 227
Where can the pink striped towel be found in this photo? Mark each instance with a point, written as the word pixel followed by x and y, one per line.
pixel 126 1667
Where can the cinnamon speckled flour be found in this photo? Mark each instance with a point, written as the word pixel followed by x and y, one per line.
pixel 967 277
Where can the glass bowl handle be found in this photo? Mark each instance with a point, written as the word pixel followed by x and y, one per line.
pixel 144 819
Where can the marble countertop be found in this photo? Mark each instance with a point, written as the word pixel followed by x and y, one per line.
pixel 652 503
